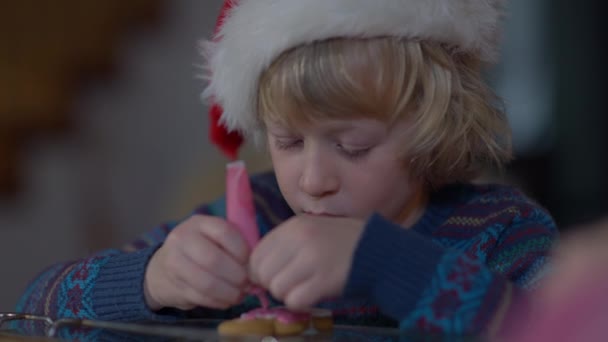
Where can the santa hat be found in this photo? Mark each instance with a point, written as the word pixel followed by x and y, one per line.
pixel 252 33
pixel 228 141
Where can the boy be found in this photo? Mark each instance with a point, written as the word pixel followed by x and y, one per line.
pixel 376 119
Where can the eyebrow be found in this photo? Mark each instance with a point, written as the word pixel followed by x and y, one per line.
pixel 331 128
pixel 341 128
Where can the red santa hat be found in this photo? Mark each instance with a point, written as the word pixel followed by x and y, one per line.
pixel 228 141
pixel 250 34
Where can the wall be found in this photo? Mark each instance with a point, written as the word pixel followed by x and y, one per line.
pixel 138 155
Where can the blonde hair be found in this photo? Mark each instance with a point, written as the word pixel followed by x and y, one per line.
pixel 456 127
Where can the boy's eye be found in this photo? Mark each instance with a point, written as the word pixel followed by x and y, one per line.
pixel 352 152
pixel 287 144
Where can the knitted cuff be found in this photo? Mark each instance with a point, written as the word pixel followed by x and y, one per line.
pixel 392 266
pixel 118 294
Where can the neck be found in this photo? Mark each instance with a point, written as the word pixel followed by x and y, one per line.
pixel 414 209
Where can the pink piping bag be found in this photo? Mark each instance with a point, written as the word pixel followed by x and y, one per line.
pixel 240 211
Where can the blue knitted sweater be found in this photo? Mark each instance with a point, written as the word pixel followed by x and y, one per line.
pixel 457 271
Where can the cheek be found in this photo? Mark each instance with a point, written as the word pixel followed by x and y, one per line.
pixel 281 164
pixel 287 174
pixel 380 189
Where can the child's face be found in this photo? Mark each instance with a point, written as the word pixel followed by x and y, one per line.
pixel 343 168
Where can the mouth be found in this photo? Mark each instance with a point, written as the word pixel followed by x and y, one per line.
pixel 323 214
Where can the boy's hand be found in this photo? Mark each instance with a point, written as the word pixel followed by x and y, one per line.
pixel 203 262
pixel 306 259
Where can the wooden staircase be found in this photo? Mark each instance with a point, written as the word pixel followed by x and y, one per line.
pixel 48 49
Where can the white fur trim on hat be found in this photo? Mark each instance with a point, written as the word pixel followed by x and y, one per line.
pixel 255 32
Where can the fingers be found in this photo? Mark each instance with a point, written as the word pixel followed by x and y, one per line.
pixel 287 280
pixel 304 295
pixel 266 263
pixel 266 246
pixel 205 288
pixel 203 262
pixel 225 235
pixel 213 259
pixel 306 259
pixel 280 266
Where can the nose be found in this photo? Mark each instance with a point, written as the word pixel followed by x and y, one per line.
pixel 318 177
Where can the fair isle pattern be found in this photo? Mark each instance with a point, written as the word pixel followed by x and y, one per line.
pixel 74 296
pixel 37 291
pixel 452 301
pixel 496 244
pixel 479 221
pixel 461 276
pixel 538 271
pixel 62 291
pixel 32 300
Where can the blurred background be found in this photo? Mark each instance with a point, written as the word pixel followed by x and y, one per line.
pixel 103 135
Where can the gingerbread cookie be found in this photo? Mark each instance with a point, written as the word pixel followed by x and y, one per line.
pixel 322 320
pixel 277 322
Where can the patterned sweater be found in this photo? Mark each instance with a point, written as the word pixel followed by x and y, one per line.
pixel 457 271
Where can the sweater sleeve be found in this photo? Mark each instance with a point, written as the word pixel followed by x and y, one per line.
pixel 107 285
pixel 457 290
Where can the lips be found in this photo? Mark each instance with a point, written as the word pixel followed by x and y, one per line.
pixel 321 213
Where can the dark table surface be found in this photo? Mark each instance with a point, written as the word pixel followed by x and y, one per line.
pixel 197 330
